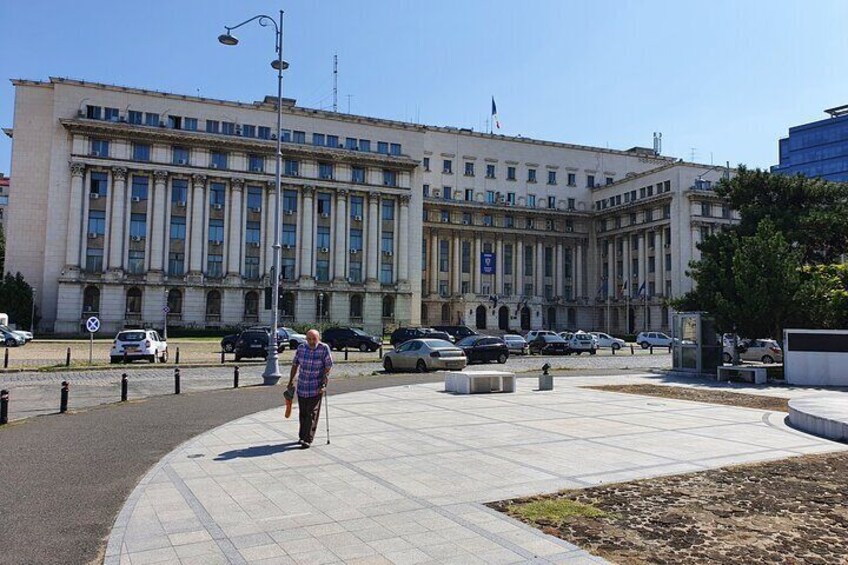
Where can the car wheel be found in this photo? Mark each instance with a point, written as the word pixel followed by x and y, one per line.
pixel 228 347
pixel 616 346
pixel 768 359
pixel 421 366
pixel 645 345
pixel 726 358
pixel 363 347
pixel 502 358
pixel 114 360
pixel 164 358
pixel 10 342
pixel 387 365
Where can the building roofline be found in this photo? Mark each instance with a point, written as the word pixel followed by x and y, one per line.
pixel 660 169
pixel 350 118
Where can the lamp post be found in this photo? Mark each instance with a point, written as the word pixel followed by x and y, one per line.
pixel 165 312
pixel 272 366
pixel 32 313
pixel 320 309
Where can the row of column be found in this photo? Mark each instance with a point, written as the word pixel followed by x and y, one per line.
pixel 617 279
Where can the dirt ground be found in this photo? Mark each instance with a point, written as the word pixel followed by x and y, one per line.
pixel 790 511
pixel 699 395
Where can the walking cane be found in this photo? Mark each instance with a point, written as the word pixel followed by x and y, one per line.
pixel 327 415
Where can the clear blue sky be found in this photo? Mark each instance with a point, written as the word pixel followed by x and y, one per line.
pixel 725 77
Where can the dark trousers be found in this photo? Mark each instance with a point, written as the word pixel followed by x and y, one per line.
pixel 309 408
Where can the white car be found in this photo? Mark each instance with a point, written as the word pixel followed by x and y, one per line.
pixel 581 342
pixel 290 337
pixel 531 335
pixel 516 344
pixel 762 350
pixel 656 339
pixel 27 336
pixel 138 344
pixel 606 340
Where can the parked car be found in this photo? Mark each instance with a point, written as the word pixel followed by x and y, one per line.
pixel 566 335
pixel 762 350
pixel 402 335
pixel 290 337
pixel 516 344
pixel 581 342
pixel 228 343
pixel 456 332
pixel 424 355
pixel 657 339
pixel 11 339
pixel 254 343
pixel 138 344
pixel 484 348
pixel 24 334
pixel 549 344
pixel 533 334
pixel 606 340
pixel 354 338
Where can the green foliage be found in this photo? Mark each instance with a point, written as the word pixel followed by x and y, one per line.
pixel 823 297
pixel 553 511
pixel 16 298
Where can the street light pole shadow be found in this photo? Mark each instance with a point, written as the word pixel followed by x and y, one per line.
pixel 257 451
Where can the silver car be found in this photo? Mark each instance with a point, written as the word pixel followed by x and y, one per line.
pixel 516 344
pixel 762 350
pixel 424 355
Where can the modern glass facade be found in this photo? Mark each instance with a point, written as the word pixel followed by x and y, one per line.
pixel 817 149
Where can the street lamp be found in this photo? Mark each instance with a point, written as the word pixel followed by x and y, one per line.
pixel 320 308
pixel 272 366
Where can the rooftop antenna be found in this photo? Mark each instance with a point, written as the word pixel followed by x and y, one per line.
pixel 657 143
pixel 349 96
pixel 692 153
pixel 336 83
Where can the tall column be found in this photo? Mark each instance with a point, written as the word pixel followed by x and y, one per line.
pixel 456 265
pixel 157 225
pixel 499 266
pixel 402 240
pixel 340 227
pixel 75 208
pixel 372 258
pixel 540 268
pixel 434 262
pixel 197 228
pixel 559 266
pixel 475 265
pixel 116 224
pixel 270 212
pixel 578 271
pixel 307 248
pixel 519 267
pixel 234 240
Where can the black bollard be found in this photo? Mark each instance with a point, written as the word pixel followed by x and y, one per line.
pixel 613 350
pixel 4 407
pixel 381 351
pixel 345 353
pixel 177 380
pixel 669 348
pixel 6 359
pixel 222 357
pixel 235 377
pixel 68 358
pixel 124 386
pixel 63 402
pixel 651 349
pixel 125 357
pixel 177 360
pixel 632 351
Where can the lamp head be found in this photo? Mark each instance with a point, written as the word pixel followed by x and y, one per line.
pixel 276 64
pixel 227 39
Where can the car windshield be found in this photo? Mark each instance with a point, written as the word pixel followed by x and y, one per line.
pixel 553 339
pixel 131 336
pixel 438 344
pixel 470 340
pixel 583 337
pixel 357 331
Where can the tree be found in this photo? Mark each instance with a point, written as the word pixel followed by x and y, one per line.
pixel 16 298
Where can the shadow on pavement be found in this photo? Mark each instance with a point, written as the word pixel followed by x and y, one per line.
pixel 257 451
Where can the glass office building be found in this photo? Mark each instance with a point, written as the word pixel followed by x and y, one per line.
pixel 817 149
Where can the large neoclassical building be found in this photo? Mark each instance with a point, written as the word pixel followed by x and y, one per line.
pixel 136 205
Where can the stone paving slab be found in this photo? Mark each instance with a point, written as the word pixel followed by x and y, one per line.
pixel 408 469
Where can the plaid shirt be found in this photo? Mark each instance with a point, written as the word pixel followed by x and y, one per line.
pixel 313 363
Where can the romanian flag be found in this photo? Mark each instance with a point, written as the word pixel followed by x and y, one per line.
pixel 495 119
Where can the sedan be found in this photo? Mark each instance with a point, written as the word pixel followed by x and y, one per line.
pixel 11 339
pixel 516 344
pixel 484 348
pixel 606 340
pixel 425 354
pixel 550 344
pixel 762 350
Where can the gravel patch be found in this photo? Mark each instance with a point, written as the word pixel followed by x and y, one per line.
pixel 699 395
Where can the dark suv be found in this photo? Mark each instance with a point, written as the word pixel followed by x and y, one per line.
pixel 402 335
pixel 353 338
pixel 457 332
pixel 253 343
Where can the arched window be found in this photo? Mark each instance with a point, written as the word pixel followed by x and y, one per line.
pixel 664 320
pixel 425 318
pixel 287 305
pixel 388 307
pixel 445 314
pixel 480 317
pixel 175 301
pixel 356 307
pixel 91 300
pixel 322 306
pixel 572 318
pixel 134 301
pixel 213 305
pixel 251 304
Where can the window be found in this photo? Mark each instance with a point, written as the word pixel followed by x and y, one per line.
pixel 318 139
pixel 465 258
pixel 487 220
pixel 263 132
pixel 217 159
pixel 509 221
pixel 91 300
pixel 141 152
pixel 389 178
pixel 179 190
pixel 322 270
pixel 357 175
pixel 93 112
pixel 251 267
pixel 549 261
pixel 387 242
pixel 111 114
pixel 256 163
pixel 325 171
pixel 332 141
pixel 252 232
pixel 216 231
pixel 490 171
pixel 138 225
pixel 510 198
pixel 97 222
pixel 426 190
pixel 215 266
pixel 289 235
pixel 469 194
pixel 176 266
pixel 388 209
pixel 151 119
pixel 139 188
pixel 447 166
pixel 134 117
pixel 190 124
pixel 469 169
pixel 178 228
pixel 248 130
pixel 444 255
pixel 355 271
pixel 706 209
pixel 507 259
pixel 427 164
pixel 530 223
pixel 93 260
pixel 571 204
pixel 228 128
pixel 388 307
pixel 652 264
pixel 668 262
pixel 135 262
pixel 322 239
pixel 356 239
pixel 395 149
pixel 365 145
pixel 386 275
pixel 133 301
pixel 552 177
pixel 323 203
pixel 667 211
pixel 383 147
pixel 510 173
pixel 609 180
pixel 350 143
pixel 291 168
pixel 531 200
pixel 356 306
pixel 213 304
pixel 590 181
pixel 99 148
pixel 531 175
pixel 254 198
pixel 299 136
pixel 356 203
pixel 287 269
pixel 445 216
pixel 551 202
pixel 528 261
pixel 572 179
pixel 446 192
pixel 289 201
pixel 179 155
pixel 490 197
pixel 216 193
pixel 466 218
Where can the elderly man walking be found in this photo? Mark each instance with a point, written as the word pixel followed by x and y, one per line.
pixel 314 362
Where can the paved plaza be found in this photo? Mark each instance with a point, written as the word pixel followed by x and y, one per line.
pixel 409 467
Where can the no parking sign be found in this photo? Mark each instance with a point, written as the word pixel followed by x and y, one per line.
pixel 93 326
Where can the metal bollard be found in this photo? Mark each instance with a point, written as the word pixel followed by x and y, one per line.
pixel 613 350
pixel 125 357
pixel 177 360
pixel 63 402
pixel 652 349
pixel 345 353
pixel 632 351
pixel 669 348
pixel 177 380
pixel 124 387
pixel 6 359
pixel 4 407
pixel 68 358
pixel 381 351
pixel 236 377
pixel 222 357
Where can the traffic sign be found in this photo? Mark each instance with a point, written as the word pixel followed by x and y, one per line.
pixel 92 324
pixel 166 309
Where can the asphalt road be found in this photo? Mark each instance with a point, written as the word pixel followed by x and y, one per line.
pixel 64 478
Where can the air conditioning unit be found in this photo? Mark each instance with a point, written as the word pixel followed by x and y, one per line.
pixel 667 245
pixel 325 215
pixel 508 203
pixel 94 195
pixel 274 136
pixel 388 253
pixel 181 204
pixel 256 210
pixel 95 153
pixel 255 169
pixel 354 251
pixel 217 206
pixel 445 220
pixel 357 218
pixel 254 244
pixel 436 193
pixel 324 250
pixel 213 165
pixel 215 242
pixel 569 229
pixel 289 212
pixel 501 199
pixel 122 118
pixel 238 130
pixel 136 199
pixel 92 235
pixel 182 161
pixel 137 238
pixel 162 124
pixel 465 222
pixel 287 246
pixel 80 113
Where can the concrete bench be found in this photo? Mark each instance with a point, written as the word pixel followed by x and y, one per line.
pixel 472 382
pixel 756 375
